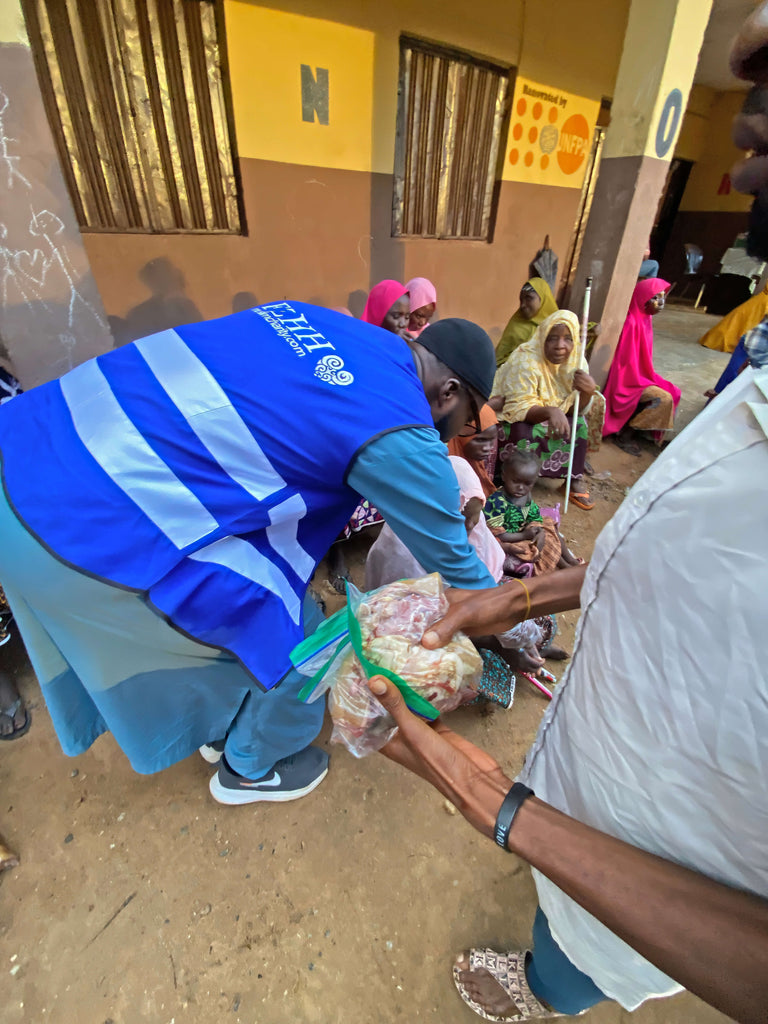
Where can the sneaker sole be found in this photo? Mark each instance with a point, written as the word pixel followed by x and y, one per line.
pixel 209 754
pixel 236 797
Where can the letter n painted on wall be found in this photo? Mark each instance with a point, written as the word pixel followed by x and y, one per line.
pixel 314 94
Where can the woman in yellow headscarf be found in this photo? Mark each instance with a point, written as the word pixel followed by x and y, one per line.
pixel 536 303
pixel 538 383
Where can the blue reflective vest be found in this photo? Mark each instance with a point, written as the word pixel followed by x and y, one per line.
pixel 205 467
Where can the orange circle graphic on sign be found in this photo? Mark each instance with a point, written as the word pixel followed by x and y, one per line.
pixel 544 162
pixel 517 132
pixel 521 105
pixel 514 156
pixel 574 140
pixel 536 111
pixel 533 134
pixel 528 159
pixel 552 115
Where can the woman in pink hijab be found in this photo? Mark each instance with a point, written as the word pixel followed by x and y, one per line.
pixel 636 397
pixel 423 296
pixel 388 307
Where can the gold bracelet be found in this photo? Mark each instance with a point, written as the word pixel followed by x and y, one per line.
pixel 527 596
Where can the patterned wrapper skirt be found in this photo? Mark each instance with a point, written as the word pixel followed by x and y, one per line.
pixel 553 452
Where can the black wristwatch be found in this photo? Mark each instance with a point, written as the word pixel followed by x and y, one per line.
pixel 509 808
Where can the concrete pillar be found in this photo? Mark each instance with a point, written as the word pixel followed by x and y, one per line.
pixel 661 48
pixel 51 315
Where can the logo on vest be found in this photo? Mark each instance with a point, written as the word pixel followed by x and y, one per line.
pixel 331 370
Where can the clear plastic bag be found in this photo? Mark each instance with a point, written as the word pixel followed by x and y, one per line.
pixel 383 635
pixel 524 634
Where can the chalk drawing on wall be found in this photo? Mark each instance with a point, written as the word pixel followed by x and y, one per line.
pixel 43 295
pixel 8 161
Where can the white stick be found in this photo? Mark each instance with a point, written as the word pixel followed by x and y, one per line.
pixel 582 348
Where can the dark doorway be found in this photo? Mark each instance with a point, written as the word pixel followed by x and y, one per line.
pixel 677 179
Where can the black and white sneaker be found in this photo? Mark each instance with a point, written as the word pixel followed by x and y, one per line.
pixel 211 752
pixel 290 778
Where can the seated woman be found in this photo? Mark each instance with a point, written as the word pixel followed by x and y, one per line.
pixel 538 385
pixel 726 334
pixel 752 350
pixel 387 307
pixel 531 542
pixel 636 397
pixel 423 298
pixel 536 303
pixel 479 449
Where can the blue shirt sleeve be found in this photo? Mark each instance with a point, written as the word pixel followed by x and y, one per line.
pixel 407 476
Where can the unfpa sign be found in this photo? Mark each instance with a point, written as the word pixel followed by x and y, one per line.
pixel 550 136
pixel 574 144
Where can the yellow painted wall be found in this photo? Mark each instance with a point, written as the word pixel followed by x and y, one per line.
pixel 653 69
pixel 716 156
pixel 569 47
pixel 693 134
pixel 12 27
pixel 266 50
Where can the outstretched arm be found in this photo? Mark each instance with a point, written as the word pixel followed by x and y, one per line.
pixel 500 608
pixel 407 476
pixel 709 937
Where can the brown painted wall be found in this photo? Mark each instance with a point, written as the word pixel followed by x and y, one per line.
pixel 323 236
pixel 51 316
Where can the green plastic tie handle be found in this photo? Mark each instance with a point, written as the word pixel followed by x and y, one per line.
pixel 309 687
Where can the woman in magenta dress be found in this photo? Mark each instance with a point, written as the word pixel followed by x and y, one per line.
pixel 636 397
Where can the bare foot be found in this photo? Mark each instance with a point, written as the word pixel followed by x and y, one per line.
pixel 555 653
pixel 482 988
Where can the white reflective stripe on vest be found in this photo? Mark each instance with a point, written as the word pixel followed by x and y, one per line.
pixel 205 406
pixel 121 451
pixel 244 559
pixel 282 535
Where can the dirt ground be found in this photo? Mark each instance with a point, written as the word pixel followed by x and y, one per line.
pixel 139 899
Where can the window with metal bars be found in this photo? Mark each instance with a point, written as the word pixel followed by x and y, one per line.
pixel 136 96
pixel 452 111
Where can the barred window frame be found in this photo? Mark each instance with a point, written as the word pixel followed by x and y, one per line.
pixel 138 99
pixel 466 99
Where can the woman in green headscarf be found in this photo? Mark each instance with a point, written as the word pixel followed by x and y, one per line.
pixel 536 304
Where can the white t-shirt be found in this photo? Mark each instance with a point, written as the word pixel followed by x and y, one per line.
pixel 658 734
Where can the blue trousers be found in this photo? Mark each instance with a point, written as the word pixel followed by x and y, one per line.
pixel 552 976
pixel 648 268
pixel 733 369
pixel 272 725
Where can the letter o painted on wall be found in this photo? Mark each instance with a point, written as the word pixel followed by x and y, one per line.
pixel 669 122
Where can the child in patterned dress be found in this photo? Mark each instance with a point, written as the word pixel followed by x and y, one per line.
pixel 530 541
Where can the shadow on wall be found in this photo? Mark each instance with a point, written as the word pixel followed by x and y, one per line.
pixel 243 301
pixel 356 301
pixel 168 305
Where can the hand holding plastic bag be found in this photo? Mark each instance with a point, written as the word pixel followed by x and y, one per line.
pixel 380 633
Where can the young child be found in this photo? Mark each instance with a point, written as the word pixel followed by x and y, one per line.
pixel 530 541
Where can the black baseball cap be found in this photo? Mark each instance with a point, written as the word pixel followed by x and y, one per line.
pixel 466 349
